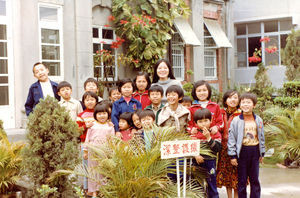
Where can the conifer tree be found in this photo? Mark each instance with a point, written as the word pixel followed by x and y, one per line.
pixel 52 145
pixel 290 56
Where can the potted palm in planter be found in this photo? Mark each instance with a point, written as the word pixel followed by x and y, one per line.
pixel 10 165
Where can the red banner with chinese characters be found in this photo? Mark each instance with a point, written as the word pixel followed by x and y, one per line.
pixel 180 148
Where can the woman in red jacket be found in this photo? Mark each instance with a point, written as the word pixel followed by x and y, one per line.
pixel 201 93
pixel 226 173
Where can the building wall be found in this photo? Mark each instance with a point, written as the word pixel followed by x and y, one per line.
pixel 257 11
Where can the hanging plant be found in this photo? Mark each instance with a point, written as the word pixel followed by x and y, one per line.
pixel 146 27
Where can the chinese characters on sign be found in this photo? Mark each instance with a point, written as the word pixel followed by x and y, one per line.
pixel 180 148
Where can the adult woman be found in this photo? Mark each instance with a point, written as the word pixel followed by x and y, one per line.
pixel 226 173
pixel 163 76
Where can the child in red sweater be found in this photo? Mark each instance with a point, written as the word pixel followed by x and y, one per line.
pixel 201 93
pixel 141 84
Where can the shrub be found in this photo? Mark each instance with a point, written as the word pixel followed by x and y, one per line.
pixel 287 102
pixel 10 163
pixel 292 88
pixel 283 134
pixel 52 145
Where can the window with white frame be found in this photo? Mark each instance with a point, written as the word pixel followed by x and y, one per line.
pixel 4 87
pixel 178 56
pixel 103 37
pixel 248 39
pixel 210 56
pixel 51 40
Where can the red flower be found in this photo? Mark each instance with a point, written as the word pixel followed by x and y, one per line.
pixel 153 20
pixel 103 42
pixel 135 61
pixel 123 22
pixel 265 39
pixel 106 25
pixel 111 18
pixel 97 52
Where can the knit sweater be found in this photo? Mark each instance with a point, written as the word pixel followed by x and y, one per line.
pixel 165 85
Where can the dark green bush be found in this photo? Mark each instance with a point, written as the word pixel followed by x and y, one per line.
pixel 292 88
pixel 287 102
pixel 52 145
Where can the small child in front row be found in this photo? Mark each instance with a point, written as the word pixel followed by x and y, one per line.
pixel 97 135
pixel 125 104
pixel 202 119
pixel 147 119
pixel 246 146
pixel 64 90
pixel 125 126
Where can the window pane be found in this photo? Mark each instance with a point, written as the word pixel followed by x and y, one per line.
pixel 107 47
pixel 209 63
pixel 3 32
pixel 3 79
pixel 95 33
pixel 271 26
pixel 209 72
pixel 253 28
pixel 96 47
pixel 242 52
pixel 3 66
pixel 272 58
pixel 3 49
pixel 286 25
pixel 48 14
pixel 107 34
pixel 50 36
pixel 2 8
pixel 54 68
pixel 4 95
pixel 241 29
pixel 254 43
pixel 50 52
pixel 283 38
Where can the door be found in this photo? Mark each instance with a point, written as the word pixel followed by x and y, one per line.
pixel 7 110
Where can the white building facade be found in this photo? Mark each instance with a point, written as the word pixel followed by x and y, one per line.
pixel 256 19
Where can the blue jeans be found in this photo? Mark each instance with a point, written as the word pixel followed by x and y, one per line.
pixel 84 163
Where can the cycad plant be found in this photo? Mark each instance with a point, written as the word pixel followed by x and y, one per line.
pixel 10 163
pixel 283 134
pixel 132 171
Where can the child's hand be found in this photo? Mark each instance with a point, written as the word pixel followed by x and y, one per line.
pixel 119 135
pixel 214 130
pixel 261 160
pixel 194 131
pixel 89 124
pixel 85 154
pixel 233 162
pixel 110 124
pixel 206 133
pixel 199 159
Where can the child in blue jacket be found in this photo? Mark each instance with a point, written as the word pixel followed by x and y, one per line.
pixel 246 146
pixel 125 104
pixel 40 89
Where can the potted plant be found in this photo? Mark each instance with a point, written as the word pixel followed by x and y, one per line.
pixel 10 165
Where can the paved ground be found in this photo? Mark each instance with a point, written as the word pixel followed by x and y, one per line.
pixel 275 182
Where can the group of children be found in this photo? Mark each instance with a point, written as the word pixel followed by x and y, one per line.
pixel 234 132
